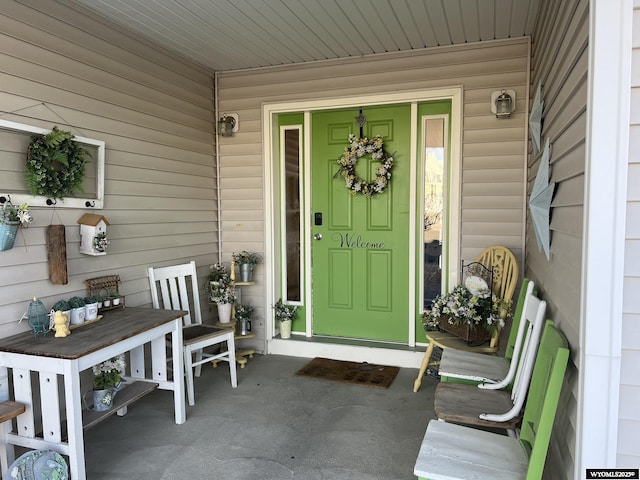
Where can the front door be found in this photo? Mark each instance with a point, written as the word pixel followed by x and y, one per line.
pixel 360 251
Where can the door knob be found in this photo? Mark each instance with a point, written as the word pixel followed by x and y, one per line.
pixel 317 236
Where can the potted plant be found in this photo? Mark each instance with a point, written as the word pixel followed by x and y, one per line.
pixel 77 310
pixel 471 312
pixel 90 307
pixel 285 314
pixel 221 292
pixel 246 261
pixel 243 315
pixel 107 379
pixel 115 299
pixel 12 218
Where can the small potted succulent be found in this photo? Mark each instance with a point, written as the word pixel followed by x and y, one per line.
pixel 62 306
pixel 246 261
pixel 77 310
pixel 90 307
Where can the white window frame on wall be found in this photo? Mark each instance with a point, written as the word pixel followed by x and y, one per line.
pixel 95 202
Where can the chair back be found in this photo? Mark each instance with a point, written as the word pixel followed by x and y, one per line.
pixel 544 395
pixel 533 316
pixel 172 288
pixel 527 288
pixel 505 270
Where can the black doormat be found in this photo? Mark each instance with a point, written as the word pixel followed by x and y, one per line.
pixel 366 374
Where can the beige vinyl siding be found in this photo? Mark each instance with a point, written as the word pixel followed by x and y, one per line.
pixel 62 66
pixel 629 415
pixel 559 63
pixel 493 151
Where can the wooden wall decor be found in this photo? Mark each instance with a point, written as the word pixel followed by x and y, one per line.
pixel 57 254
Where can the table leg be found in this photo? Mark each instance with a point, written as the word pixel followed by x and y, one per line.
pixel 423 367
pixel 73 399
pixel 178 372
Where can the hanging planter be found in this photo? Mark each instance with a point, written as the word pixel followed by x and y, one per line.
pixel 12 218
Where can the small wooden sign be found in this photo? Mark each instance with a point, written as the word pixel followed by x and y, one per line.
pixel 57 254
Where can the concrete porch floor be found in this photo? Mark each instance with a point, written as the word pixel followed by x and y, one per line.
pixel 274 426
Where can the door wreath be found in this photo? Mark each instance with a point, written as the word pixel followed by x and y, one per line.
pixel 357 148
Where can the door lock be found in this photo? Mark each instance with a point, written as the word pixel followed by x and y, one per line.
pixel 317 236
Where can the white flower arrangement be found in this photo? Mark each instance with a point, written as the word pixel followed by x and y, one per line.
pixel 359 147
pixel 108 373
pixel 478 308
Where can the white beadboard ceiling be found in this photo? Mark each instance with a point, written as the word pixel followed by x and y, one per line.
pixel 238 34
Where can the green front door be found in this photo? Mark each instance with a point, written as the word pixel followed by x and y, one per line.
pixel 360 251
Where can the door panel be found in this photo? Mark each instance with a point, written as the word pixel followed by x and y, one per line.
pixel 360 266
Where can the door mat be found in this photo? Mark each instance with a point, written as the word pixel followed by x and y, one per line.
pixel 366 374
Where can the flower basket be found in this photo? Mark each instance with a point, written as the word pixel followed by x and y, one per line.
pixel 465 331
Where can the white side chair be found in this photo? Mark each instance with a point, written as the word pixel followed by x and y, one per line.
pixel 171 289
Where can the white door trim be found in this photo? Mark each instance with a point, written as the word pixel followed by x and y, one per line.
pixel 269 112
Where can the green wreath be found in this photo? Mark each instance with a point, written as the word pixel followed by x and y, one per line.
pixel 55 164
pixel 359 147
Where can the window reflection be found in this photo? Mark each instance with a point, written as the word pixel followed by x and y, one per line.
pixel 292 214
pixel 434 157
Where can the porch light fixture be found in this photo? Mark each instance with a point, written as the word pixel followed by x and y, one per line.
pixel 503 103
pixel 228 124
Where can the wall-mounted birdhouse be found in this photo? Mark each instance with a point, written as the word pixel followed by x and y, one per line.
pixel 93 234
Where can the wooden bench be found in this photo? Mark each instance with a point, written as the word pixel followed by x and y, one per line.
pixel 10 409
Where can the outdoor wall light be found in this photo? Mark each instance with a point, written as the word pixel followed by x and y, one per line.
pixel 503 103
pixel 228 124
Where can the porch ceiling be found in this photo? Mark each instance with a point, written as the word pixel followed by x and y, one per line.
pixel 238 34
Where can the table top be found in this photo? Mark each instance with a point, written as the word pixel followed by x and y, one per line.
pixel 115 326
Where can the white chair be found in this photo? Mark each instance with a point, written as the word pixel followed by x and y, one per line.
pixel 469 367
pixel 170 290
pixel 484 405
pixel 456 452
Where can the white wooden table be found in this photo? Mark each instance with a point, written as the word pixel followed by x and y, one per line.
pixel 43 366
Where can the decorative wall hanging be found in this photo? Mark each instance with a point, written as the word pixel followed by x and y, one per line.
pixel 57 254
pixel 55 164
pixel 535 119
pixel 359 147
pixel 94 181
pixel 540 202
pixel 93 234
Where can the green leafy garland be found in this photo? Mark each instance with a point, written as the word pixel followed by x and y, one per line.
pixel 359 147
pixel 55 164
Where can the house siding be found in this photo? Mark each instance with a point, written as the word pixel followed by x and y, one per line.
pixel 629 415
pixel 60 65
pixel 492 150
pixel 559 62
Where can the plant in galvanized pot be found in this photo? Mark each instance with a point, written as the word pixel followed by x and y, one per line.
pixel 107 380
pixel 285 314
pixel 246 262
pixel 11 219
pixel 243 316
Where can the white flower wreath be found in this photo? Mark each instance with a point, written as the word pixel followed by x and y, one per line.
pixel 359 147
